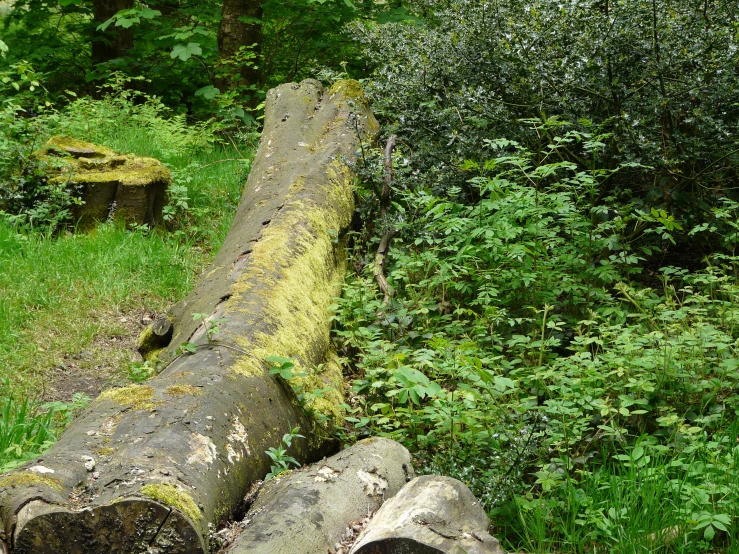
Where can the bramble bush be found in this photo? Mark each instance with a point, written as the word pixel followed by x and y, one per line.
pixel 658 77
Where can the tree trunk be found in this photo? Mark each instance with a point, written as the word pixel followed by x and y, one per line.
pixel 234 32
pixel 431 515
pixel 114 41
pixel 311 509
pixel 149 468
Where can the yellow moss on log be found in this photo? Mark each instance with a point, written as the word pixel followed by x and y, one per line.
pixel 84 162
pixel 173 497
pixel 139 397
pixel 293 276
pixel 327 377
pixel 29 479
pixel 178 391
pixel 68 146
pixel 350 89
pixel 133 172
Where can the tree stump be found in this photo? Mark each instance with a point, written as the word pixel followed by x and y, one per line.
pixel 126 188
pixel 150 468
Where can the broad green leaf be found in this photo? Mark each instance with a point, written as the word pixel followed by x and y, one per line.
pixel 106 24
pixel 127 22
pixel 186 51
pixel 709 533
pixel 148 13
pixel 208 92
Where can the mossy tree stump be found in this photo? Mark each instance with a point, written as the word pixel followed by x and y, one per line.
pixel 150 467
pixel 126 188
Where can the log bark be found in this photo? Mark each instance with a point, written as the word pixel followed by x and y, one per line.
pixel 431 515
pixel 310 509
pixel 150 467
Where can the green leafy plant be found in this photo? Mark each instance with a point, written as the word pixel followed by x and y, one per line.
pixel 281 460
pixel 523 355
pixel 141 371
pixel 28 428
pixel 283 367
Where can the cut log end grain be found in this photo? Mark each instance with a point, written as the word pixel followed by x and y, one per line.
pixel 431 515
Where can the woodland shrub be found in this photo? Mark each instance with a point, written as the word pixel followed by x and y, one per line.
pixel 529 352
pixel 658 78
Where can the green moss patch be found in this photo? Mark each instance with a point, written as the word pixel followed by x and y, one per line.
pixel 87 163
pixel 139 397
pixel 350 89
pixel 294 273
pixel 29 479
pixel 178 391
pixel 173 497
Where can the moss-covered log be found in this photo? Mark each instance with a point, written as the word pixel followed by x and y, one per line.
pixel 150 467
pixel 430 515
pixel 309 510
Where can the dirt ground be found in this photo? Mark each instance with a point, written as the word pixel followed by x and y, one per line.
pixel 104 363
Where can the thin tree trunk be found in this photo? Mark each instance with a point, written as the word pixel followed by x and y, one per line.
pixel 239 27
pixel 114 41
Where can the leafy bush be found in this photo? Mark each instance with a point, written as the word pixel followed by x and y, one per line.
pixel 521 355
pixel 657 76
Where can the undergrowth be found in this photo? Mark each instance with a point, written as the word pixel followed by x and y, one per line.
pixel 588 402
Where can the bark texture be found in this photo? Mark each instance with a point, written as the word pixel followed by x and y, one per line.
pixel 430 515
pixel 309 510
pixel 239 28
pixel 114 41
pixel 147 468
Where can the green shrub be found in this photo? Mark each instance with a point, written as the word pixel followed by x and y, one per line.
pixel 657 76
pixel 522 354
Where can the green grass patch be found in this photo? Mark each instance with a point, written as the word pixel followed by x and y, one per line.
pixel 75 300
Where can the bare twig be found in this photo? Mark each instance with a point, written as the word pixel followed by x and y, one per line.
pixel 385 197
pixel 379 269
pixel 387 237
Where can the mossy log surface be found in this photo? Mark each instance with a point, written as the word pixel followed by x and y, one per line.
pixel 309 510
pixel 430 515
pixel 147 468
pixel 127 188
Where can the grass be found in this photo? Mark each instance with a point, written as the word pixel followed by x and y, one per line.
pixel 649 499
pixel 62 293
pixel 71 304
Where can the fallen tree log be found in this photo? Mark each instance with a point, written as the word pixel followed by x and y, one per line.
pixel 431 515
pixel 151 467
pixel 310 509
